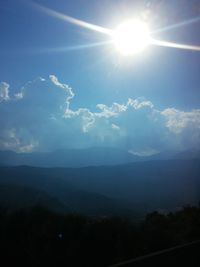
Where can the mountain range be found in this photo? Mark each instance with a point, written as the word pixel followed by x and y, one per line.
pixel 131 189
pixel 86 157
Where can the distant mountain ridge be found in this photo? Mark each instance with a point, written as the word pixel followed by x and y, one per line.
pixel 129 188
pixel 22 187
pixel 86 157
pixel 68 158
pixel 14 197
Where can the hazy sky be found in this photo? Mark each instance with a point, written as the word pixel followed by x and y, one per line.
pixel 60 89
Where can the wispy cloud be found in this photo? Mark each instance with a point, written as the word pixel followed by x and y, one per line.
pixel 4 91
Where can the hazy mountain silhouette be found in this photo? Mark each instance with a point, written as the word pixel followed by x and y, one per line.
pixel 13 197
pixel 86 157
pixel 189 154
pixel 21 187
pixel 68 158
pixel 142 186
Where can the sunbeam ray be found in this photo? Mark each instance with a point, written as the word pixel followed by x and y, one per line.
pixel 175 45
pixel 70 48
pixel 178 25
pixel 72 20
pixel 110 32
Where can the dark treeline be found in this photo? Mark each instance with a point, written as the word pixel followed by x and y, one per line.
pixel 38 237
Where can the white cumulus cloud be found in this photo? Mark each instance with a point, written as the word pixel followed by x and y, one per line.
pixel 40 117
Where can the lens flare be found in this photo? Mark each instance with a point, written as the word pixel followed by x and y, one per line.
pixel 131 37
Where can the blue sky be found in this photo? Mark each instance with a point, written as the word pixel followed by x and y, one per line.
pixel 53 96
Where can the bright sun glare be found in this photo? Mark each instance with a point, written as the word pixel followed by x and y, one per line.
pixel 131 37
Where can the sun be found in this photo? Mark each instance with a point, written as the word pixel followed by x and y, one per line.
pixel 131 37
